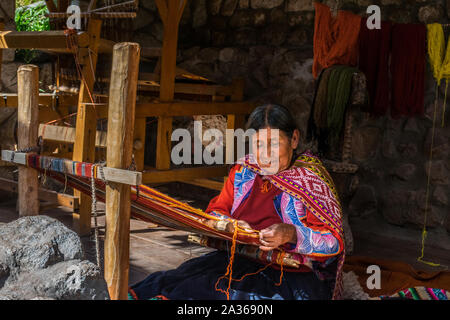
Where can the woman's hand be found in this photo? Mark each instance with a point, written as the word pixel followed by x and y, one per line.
pixel 277 235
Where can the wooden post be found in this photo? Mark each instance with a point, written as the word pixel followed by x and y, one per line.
pixel 234 121
pixel 2 27
pixel 27 135
pixel 121 116
pixel 139 143
pixel 86 124
pixel 170 12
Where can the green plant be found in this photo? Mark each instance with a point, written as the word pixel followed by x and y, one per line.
pixel 21 3
pixel 31 17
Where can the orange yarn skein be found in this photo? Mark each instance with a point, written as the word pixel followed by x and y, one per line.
pixel 335 39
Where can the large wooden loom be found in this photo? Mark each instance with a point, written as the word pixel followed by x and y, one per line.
pixel 225 100
pixel 113 183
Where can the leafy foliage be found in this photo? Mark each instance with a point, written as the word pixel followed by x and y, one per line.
pixel 31 17
pixel 21 3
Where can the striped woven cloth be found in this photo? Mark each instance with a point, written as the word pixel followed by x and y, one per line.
pixel 419 293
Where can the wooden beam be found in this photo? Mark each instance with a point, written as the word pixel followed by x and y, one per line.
pixel 147 82
pixel 110 174
pixel 63 5
pixel 152 175
pixel 45 99
pixel 172 109
pixel 61 199
pixel 28 95
pixel 234 121
pixel 139 142
pixel 2 27
pixel 206 183
pixel 53 107
pixel 122 100
pixel 95 15
pixel 151 52
pixel 67 134
pixel 168 70
pixel 39 40
pixel 50 5
pixel 163 143
pixel 86 124
pixel 162 9
pixel 181 7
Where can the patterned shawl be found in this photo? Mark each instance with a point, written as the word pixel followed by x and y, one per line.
pixel 308 181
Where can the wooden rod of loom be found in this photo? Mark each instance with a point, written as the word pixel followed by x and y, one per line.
pixel 27 136
pixel 121 115
pixel 86 124
pixel 2 27
pixel 170 13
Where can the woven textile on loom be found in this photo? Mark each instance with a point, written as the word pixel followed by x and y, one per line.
pixel 335 39
pixel 152 206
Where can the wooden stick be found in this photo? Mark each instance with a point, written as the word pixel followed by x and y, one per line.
pixel 97 15
pixel 122 101
pixel 234 121
pixel 162 9
pixel 60 199
pixel 39 40
pixel 27 131
pixel 110 174
pixel 2 27
pixel 50 5
pixel 86 124
pixel 113 6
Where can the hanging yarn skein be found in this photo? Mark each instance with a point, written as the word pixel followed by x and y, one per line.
pixel 408 62
pixel 439 56
pixel 335 39
pixel 440 65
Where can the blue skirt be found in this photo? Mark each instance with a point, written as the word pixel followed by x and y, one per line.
pixel 195 279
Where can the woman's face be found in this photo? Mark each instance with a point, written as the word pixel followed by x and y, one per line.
pixel 273 149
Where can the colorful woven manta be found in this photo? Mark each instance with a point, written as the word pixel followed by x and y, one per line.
pixel 420 293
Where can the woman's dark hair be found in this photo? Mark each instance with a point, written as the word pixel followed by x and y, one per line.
pixel 273 116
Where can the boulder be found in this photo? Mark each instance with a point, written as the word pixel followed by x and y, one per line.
pixel 41 258
pixel 68 280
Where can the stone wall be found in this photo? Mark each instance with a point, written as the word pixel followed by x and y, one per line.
pixel 9 67
pixel 269 44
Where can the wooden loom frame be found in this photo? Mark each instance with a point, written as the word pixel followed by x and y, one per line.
pixel 118 202
pixel 85 133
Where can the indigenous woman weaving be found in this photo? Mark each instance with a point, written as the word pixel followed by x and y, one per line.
pixel 294 206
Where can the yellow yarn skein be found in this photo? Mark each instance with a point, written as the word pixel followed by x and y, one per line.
pixel 440 64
